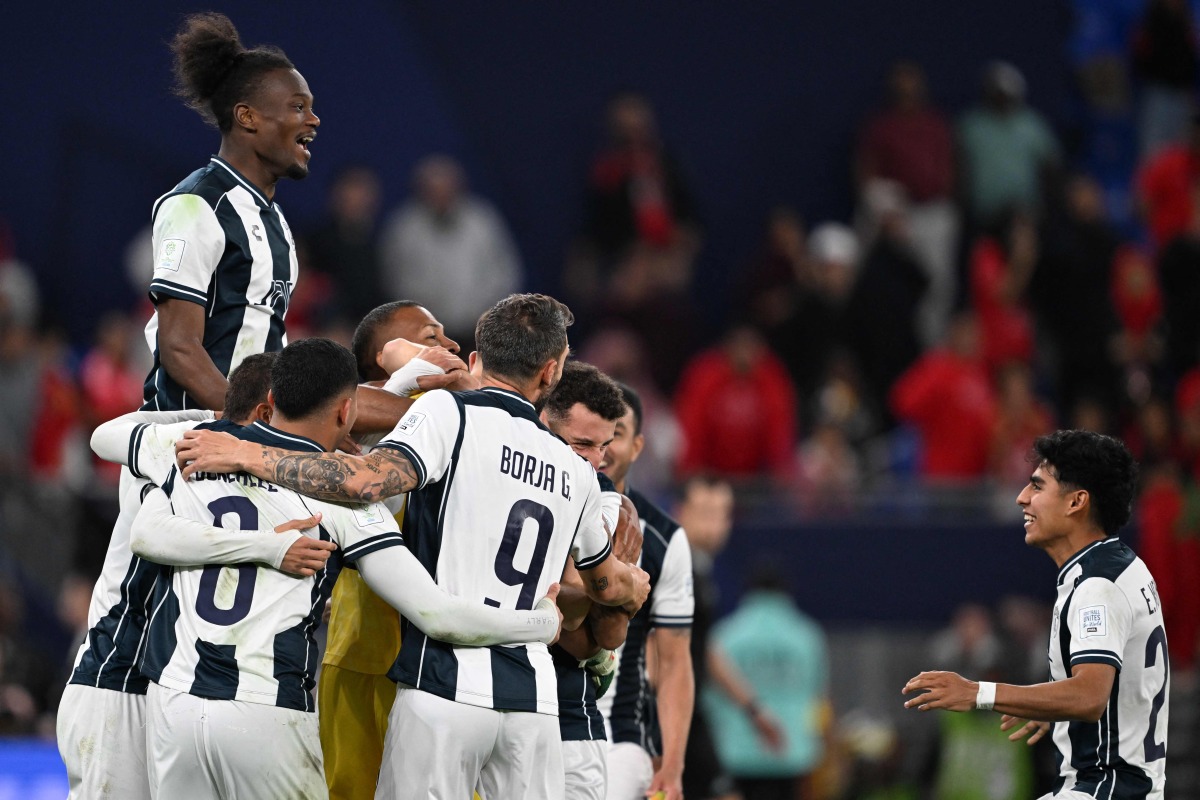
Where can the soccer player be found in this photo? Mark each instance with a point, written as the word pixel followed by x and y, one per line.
pixel 354 692
pixel 641 731
pixel 224 256
pixel 231 650
pixel 583 410
pixel 496 506
pixel 101 719
pixel 1109 678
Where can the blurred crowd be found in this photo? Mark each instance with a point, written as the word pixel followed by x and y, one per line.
pixel 997 279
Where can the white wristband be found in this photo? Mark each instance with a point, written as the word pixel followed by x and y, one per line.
pixel 403 381
pixel 986 697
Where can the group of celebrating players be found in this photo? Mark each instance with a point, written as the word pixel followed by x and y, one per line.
pixel 509 617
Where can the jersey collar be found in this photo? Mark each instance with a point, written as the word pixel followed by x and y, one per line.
pixel 264 434
pixel 510 393
pixel 1073 560
pixel 240 178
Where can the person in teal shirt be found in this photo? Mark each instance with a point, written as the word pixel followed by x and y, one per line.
pixel 781 652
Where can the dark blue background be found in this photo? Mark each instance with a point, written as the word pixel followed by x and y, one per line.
pixel 760 101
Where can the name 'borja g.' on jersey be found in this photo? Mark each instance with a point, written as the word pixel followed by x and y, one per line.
pixel 500 505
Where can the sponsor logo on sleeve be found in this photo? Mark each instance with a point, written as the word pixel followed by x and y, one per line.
pixel 368 516
pixel 1093 622
pixel 409 424
pixel 170 254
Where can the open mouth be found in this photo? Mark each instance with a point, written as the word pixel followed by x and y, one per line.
pixel 305 140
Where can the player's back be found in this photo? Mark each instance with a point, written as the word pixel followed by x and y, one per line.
pixel 1108 612
pixel 244 631
pixel 501 505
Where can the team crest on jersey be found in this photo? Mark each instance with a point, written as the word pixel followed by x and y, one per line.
pixel 368 516
pixel 1093 622
pixel 170 254
pixel 410 423
pixel 279 296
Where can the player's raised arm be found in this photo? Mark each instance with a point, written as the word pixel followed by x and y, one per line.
pixel 380 474
pixel 161 536
pixel 395 575
pixel 111 440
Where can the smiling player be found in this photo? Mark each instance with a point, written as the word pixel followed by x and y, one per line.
pixel 224 257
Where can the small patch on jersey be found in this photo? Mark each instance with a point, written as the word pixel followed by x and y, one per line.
pixel 368 516
pixel 409 424
pixel 1093 622
pixel 170 254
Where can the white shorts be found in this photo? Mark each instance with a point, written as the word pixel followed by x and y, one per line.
pixel 102 741
pixel 629 771
pixel 200 749
pixel 437 748
pixel 585 765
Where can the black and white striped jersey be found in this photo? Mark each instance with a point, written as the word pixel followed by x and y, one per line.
pixel 220 243
pixel 1108 612
pixel 501 504
pixel 629 706
pixel 245 631
pixel 123 595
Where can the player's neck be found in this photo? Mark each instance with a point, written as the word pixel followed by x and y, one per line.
pixel 251 168
pixel 496 382
pixel 319 431
pixel 1065 548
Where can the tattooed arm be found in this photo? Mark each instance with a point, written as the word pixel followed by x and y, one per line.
pixel 327 476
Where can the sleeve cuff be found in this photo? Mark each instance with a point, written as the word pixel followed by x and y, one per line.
pixel 369 545
pixel 161 289
pixel 596 560
pixel 1097 657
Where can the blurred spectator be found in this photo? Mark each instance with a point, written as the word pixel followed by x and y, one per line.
pixel 1138 303
pixel 20 300
pixel 449 250
pixel 1166 187
pixel 1071 292
pixel 344 245
pixel 810 326
pixel 1008 151
pixel 1020 418
pixel 781 653
pixel 622 355
pixel 829 468
pixel 1002 262
pixel 1164 56
pixel 737 409
pixel 947 397
pixel 111 378
pixel 1179 272
pixel 773 279
pixel 881 319
pixel 637 199
pixel 910 143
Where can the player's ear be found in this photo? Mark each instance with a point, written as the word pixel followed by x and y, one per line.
pixel 346 409
pixel 243 116
pixel 473 362
pixel 262 412
pixel 639 442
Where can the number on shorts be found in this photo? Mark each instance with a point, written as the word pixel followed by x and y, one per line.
pixel 1158 638
pixel 206 598
pixel 506 571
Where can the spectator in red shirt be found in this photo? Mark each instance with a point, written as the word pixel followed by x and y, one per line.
pixel 948 397
pixel 911 143
pixel 737 409
pixel 1001 265
pixel 1166 187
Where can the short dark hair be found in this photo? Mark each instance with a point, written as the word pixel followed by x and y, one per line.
pixel 519 334
pixel 310 374
pixel 248 386
pixel 1100 465
pixel 583 383
pixel 634 401
pixel 364 343
pixel 214 71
